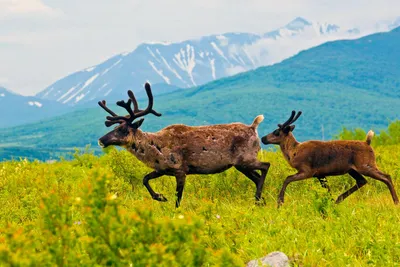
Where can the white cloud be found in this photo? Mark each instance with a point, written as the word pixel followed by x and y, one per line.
pixel 3 81
pixel 11 8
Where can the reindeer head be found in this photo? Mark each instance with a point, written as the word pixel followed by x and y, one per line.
pixel 127 129
pixel 277 136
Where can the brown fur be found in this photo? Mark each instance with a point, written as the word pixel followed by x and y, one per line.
pixel 179 150
pixel 320 159
pixel 200 150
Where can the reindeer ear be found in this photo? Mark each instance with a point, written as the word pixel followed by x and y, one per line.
pixel 137 124
pixel 288 128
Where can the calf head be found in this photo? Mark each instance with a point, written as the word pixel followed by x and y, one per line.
pixel 127 129
pixel 277 136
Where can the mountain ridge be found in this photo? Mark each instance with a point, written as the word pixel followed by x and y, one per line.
pixel 191 62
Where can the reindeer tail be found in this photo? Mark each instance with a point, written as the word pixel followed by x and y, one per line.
pixel 257 121
pixel 370 135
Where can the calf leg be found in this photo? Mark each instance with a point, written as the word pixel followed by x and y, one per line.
pixel 146 179
pixel 297 177
pixel 180 184
pixel 360 182
pixel 385 178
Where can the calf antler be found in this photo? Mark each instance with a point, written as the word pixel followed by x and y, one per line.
pixel 291 120
pixel 133 114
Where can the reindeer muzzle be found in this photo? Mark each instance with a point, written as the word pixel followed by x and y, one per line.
pixel 100 143
pixel 265 141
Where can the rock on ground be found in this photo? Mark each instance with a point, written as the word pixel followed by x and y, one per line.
pixel 273 259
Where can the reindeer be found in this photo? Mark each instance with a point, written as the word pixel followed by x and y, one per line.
pixel 179 150
pixel 320 159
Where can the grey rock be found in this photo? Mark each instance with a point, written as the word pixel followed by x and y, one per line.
pixel 273 259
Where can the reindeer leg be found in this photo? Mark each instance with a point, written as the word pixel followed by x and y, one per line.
pixel 324 183
pixel 296 177
pixel 154 195
pixel 385 178
pixel 180 184
pixel 254 176
pixel 360 182
pixel 263 167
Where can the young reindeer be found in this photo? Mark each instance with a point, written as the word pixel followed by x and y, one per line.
pixel 178 150
pixel 320 159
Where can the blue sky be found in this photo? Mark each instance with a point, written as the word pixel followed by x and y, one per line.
pixel 44 40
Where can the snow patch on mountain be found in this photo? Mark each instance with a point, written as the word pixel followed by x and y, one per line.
pixel 80 97
pixel 112 66
pixel 64 95
pixel 159 72
pixel 185 60
pixel 158 43
pixel 48 91
pixel 35 103
pixel 169 66
pixel 212 63
pixel 90 69
pixel 74 94
pixel 223 40
pixel 108 92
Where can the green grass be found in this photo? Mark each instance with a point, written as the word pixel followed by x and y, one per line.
pixel 95 211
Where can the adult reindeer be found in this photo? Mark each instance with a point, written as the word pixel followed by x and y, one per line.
pixel 179 150
pixel 320 159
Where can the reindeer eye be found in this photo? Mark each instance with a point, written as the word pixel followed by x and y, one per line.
pixel 123 130
pixel 276 132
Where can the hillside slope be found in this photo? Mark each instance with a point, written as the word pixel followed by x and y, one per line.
pixel 342 83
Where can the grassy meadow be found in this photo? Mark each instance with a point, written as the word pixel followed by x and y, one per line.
pixel 95 211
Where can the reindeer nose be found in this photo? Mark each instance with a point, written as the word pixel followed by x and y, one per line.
pixel 264 140
pixel 100 143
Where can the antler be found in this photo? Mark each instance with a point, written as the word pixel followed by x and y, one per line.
pixel 291 120
pixel 133 99
pixel 149 108
pixel 133 114
pixel 295 118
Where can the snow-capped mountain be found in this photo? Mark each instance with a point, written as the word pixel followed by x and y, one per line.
pixel 18 109
pixel 192 62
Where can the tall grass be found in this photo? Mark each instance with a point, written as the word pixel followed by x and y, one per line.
pixel 95 211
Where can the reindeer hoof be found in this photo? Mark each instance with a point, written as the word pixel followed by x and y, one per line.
pixel 260 201
pixel 338 200
pixel 160 197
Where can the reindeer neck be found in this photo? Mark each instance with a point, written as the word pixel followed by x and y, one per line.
pixel 144 146
pixel 288 146
pixel 137 143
